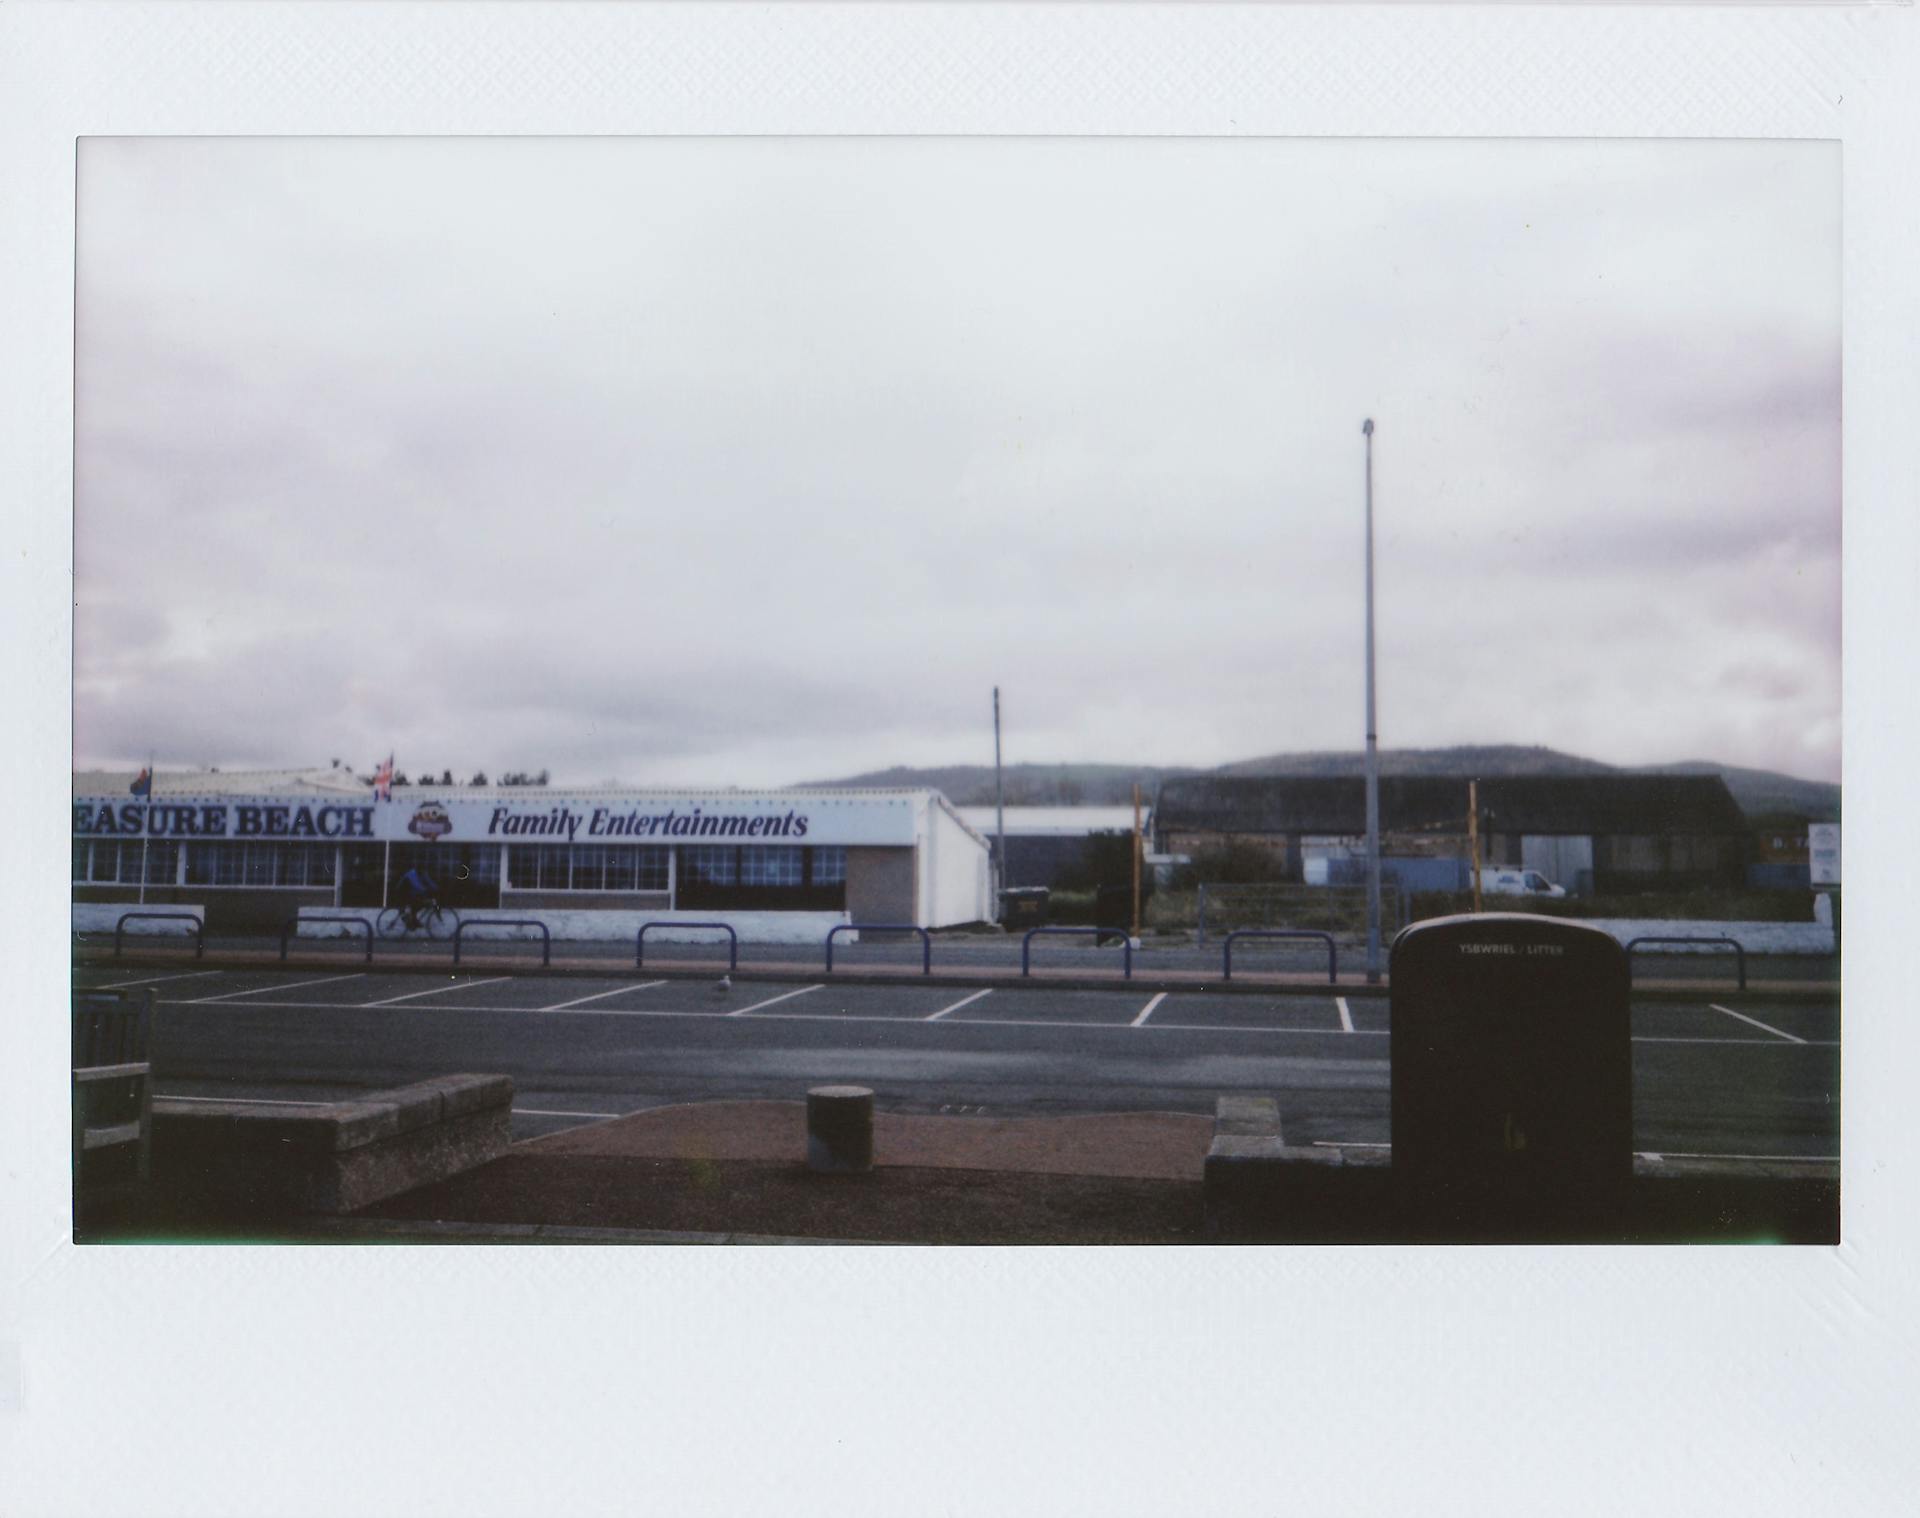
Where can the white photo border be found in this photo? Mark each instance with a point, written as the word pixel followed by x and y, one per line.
pixel 376 1379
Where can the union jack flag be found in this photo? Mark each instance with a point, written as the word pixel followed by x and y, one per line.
pixel 383 781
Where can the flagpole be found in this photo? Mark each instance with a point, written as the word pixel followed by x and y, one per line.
pixel 146 832
pixel 386 863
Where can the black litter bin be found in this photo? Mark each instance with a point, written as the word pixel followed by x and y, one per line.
pixel 1024 907
pixel 1113 913
pixel 1512 1071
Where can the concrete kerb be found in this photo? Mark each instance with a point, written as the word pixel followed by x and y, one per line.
pixel 975 978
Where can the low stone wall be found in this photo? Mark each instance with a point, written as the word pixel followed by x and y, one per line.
pixel 248 1159
pixel 1257 1187
pixel 1753 937
pixel 609 926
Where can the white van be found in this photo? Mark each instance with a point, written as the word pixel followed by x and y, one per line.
pixel 1498 882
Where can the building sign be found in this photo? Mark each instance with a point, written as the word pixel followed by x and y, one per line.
pixel 543 817
pixel 1823 853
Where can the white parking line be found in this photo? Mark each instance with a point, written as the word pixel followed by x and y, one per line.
pixel 965 1001
pixel 1000 1022
pixel 788 996
pixel 238 1101
pixel 645 985
pixel 1771 1159
pixel 151 980
pixel 1147 1010
pixel 1346 1017
pixel 458 985
pixel 1745 1043
pixel 1764 1027
pixel 325 980
pixel 279 1101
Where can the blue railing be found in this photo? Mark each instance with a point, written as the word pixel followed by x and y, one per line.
pixel 733 940
pixel 199 927
pixel 546 938
pixel 297 923
pixel 1126 944
pixel 1739 954
pixel 926 940
pixel 1333 975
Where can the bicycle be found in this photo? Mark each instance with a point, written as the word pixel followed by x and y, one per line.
pixel 436 921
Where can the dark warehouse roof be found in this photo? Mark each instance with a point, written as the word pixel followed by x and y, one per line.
pixel 1336 804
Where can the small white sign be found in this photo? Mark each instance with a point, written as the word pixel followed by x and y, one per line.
pixel 1823 853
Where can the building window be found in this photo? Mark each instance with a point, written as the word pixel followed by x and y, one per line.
pixel 829 866
pixel 771 867
pixel 590 868
pixel 217 864
pixel 585 867
pixel 79 861
pixel 709 865
pixel 106 863
pixel 636 869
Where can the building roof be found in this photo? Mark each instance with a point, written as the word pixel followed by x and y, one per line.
pixel 1336 804
pixel 1055 821
pixel 333 783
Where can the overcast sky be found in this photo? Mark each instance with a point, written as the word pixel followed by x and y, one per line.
pixel 760 461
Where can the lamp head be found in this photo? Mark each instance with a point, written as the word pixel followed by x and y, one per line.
pixel 1367 426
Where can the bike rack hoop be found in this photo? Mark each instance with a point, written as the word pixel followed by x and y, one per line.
pixel 295 924
pixel 199 928
pixel 1126 944
pixel 1333 974
pixel 546 937
pixel 926 939
pixel 1739 954
pixel 733 940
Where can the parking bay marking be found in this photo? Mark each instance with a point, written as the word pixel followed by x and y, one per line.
pixel 458 985
pixel 1147 1010
pixel 578 1001
pixel 991 1022
pixel 787 996
pixel 965 1001
pixel 1346 1017
pixel 325 980
pixel 151 980
pixel 1764 1027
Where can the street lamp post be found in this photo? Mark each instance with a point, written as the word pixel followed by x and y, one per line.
pixel 1373 749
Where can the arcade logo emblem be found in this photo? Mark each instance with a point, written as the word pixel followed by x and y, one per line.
pixel 431 821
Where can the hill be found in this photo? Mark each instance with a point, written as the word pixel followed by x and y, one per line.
pixel 1759 792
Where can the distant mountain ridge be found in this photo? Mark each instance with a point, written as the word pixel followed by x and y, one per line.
pixel 1760 793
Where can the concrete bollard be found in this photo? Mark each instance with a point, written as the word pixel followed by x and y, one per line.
pixel 840 1129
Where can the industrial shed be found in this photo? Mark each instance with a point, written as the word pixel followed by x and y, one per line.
pixel 1586 832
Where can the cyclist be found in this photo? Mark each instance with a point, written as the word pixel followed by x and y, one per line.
pixel 420 892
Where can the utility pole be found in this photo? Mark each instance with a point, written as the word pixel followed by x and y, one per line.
pixel 1373 749
pixel 999 812
pixel 1473 837
pixel 1136 861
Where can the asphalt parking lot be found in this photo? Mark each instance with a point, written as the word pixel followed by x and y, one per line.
pixel 1723 1074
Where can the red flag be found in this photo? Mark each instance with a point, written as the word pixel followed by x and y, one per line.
pixel 142 783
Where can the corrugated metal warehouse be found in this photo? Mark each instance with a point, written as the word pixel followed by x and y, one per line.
pixel 1586 832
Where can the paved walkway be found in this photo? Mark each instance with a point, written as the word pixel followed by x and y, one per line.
pixel 738 1168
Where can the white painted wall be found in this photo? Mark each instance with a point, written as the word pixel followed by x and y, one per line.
pixel 1754 937
pixel 808 928
pixel 100 916
pixel 956 883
